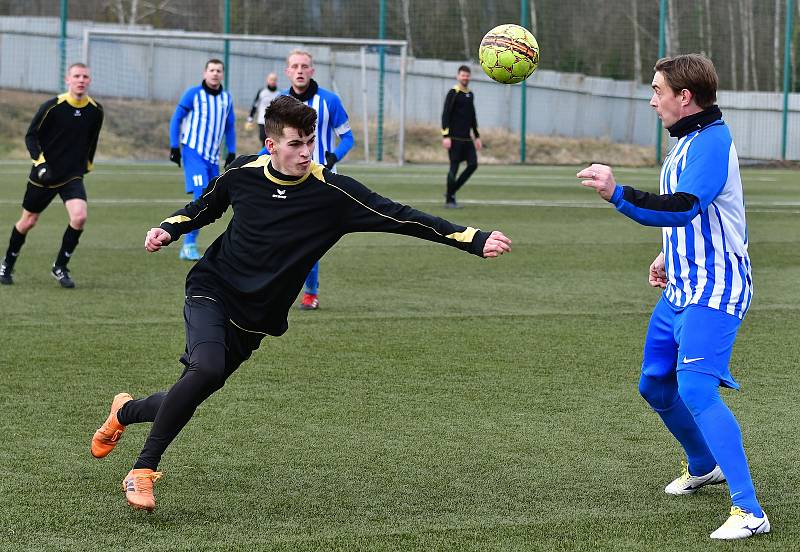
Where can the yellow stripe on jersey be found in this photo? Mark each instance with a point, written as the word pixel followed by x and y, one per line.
pixel 263 161
pixel 176 219
pixel 83 102
pixel 466 236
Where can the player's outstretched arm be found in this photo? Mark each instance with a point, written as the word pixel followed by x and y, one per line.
pixel 658 272
pixel 496 244
pixel 599 177
pixel 156 238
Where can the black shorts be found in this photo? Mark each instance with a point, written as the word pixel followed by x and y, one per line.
pixel 207 322
pixel 462 150
pixel 37 198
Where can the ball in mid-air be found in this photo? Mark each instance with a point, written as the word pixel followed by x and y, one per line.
pixel 509 53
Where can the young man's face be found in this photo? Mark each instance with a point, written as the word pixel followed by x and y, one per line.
pixel 291 152
pixel 669 106
pixel 299 70
pixel 78 79
pixel 213 75
pixel 463 78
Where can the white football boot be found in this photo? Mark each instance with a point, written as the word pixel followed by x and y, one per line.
pixel 741 525
pixel 688 483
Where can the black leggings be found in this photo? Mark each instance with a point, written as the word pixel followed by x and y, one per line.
pixel 214 350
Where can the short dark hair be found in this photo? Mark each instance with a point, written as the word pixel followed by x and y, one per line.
pixel 693 72
pixel 286 111
pixel 465 68
pixel 76 64
pixel 215 61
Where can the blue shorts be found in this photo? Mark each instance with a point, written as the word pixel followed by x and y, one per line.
pixel 693 338
pixel 197 171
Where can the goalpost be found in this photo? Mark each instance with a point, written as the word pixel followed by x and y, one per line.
pixel 159 65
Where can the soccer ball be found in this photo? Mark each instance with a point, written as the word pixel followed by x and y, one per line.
pixel 509 53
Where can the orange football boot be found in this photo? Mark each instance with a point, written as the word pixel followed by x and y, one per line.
pixel 106 437
pixel 138 487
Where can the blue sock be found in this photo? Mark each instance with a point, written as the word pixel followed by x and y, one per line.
pixel 662 396
pixel 312 280
pixel 190 238
pixel 700 392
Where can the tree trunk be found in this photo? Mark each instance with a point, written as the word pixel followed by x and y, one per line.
pixel 752 33
pixel 733 43
pixel 407 25
pixel 462 4
pixel 776 46
pixel 709 51
pixel 637 52
pixel 745 40
pixel 673 41
pixel 534 23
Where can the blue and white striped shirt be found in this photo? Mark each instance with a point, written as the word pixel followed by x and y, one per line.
pixel 201 120
pixel 706 260
pixel 332 121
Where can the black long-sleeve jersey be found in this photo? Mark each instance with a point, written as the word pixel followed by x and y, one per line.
pixel 281 227
pixel 458 116
pixel 64 134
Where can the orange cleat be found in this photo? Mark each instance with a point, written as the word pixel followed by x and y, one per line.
pixel 309 302
pixel 106 437
pixel 138 487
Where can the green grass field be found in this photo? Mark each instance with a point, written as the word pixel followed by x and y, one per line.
pixel 436 401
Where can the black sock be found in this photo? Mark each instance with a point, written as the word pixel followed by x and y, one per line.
pixel 141 410
pixel 68 245
pixel 14 246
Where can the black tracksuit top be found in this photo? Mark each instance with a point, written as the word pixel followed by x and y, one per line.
pixel 281 226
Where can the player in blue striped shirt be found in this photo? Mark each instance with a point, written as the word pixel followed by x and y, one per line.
pixel 332 122
pixel 704 270
pixel 203 116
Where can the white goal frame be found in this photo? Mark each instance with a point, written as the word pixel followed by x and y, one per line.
pixel 363 44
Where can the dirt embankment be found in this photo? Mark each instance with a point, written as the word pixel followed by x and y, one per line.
pixel 139 130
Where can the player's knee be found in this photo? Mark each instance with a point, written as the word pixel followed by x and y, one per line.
pixel 660 393
pixel 472 166
pixel 207 362
pixel 698 391
pixel 78 221
pixel 26 222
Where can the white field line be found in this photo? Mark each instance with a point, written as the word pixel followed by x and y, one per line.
pixel 752 206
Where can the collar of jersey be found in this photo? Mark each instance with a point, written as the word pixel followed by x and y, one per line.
pixel 308 93
pixel 459 88
pixel 698 121
pixel 282 179
pixel 67 97
pixel 211 91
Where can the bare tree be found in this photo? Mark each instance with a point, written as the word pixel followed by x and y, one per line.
pixel 733 42
pixel 751 31
pixel 407 25
pixel 673 42
pixel 462 4
pixel 127 13
pixel 709 33
pixel 637 49
pixel 534 23
pixel 776 46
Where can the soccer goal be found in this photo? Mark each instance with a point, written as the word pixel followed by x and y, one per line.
pixel 369 75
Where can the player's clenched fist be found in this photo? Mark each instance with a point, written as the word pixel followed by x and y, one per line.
pixel 156 238
pixel 497 244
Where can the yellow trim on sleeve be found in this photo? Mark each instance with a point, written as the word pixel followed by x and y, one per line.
pixel 89 166
pixel 176 219
pixel 39 160
pixel 445 131
pixel 465 237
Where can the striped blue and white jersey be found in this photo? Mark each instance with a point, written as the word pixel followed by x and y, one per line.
pixel 706 260
pixel 200 121
pixel 332 121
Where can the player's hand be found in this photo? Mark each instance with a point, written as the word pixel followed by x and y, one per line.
pixel 330 160
pixel 249 125
pixel 43 172
pixel 600 178
pixel 446 142
pixel 497 244
pixel 658 273
pixel 478 144
pixel 175 155
pixel 156 239
pixel 230 159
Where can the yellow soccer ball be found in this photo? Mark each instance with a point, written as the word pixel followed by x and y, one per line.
pixel 509 53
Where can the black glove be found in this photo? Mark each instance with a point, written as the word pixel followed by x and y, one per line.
pixel 230 159
pixel 175 155
pixel 43 172
pixel 330 160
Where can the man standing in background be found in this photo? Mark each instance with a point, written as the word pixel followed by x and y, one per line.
pixel 203 115
pixel 62 139
pixel 458 118
pixel 260 103
pixel 332 122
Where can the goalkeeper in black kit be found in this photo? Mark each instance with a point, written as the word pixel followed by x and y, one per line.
pixel 287 212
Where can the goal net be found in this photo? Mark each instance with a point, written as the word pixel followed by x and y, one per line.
pixel 369 75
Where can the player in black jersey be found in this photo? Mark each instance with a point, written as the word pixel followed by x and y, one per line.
pixel 458 118
pixel 62 140
pixel 288 211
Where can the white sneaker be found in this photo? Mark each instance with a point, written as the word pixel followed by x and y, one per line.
pixel 741 525
pixel 688 483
